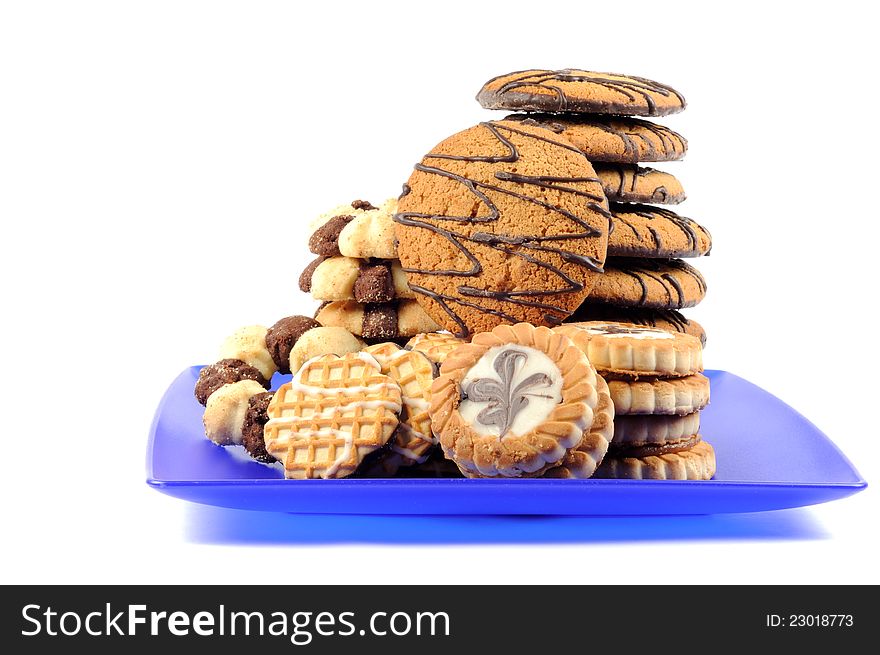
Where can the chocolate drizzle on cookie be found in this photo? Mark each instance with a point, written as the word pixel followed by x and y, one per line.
pixel 626 181
pixel 511 95
pixel 518 246
pixel 635 136
pixel 666 272
pixel 690 228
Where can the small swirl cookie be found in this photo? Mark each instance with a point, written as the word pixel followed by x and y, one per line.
pixel 575 90
pixel 679 396
pixel 322 340
pixel 436 345
pixel 513 401
pixel 255 419
pixel 581 462
pixel 283 336
pixel 335 412
pixel 362 280
pixel 248 344
pixel 695 463
pixel 646 231
pixel 649 283
pixel 226 371
pixel 628 183
pixel 226 409
pixel 664 319
pixel 358 230
pixel 633 351
pixel 612 139
pixel 413 441
pixel 403 318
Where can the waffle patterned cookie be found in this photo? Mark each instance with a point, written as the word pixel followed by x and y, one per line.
pixel 414 373
pixel 436 345
pixel 335 412
pixel 363 280
pixel 358 230
pixel 696 463
pixel 632 431
pixel 649 283
pixel 612 139
pixel 681 396
pixel 634 351
pixel 629 183
pixel 581 461
pixel 513 401
pixel 404 318
pixel 575 90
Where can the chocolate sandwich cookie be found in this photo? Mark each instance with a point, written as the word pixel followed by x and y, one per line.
pixel 501 223
pixel 649 283
pixel 627 183
pixel 358 230
pixel 363 280
pixel 655 232
pixel 694 463
pixel 612 139
pixel 665 319
pixel 386 321
pixel 580 91
pixel 659 432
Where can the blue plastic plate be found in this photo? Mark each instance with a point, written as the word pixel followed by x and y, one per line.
pixel 769 457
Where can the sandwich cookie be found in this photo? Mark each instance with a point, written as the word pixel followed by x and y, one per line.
pixel 695 463
pixel 679 396
pixel 665 319
pixel 632 351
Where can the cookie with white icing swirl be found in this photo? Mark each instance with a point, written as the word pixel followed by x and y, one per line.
pixel 513 401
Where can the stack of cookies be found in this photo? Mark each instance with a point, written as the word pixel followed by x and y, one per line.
pixel 358 277
pixel 645 282
pixel 655 381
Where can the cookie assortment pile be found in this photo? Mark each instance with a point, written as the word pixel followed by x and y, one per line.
pixel 645 281
pixel 502 318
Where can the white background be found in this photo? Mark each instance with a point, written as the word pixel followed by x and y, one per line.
pixel 158 164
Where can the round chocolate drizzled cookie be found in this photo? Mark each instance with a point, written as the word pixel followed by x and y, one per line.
pixel 612 139
pixel 501 223
pixel 580 91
